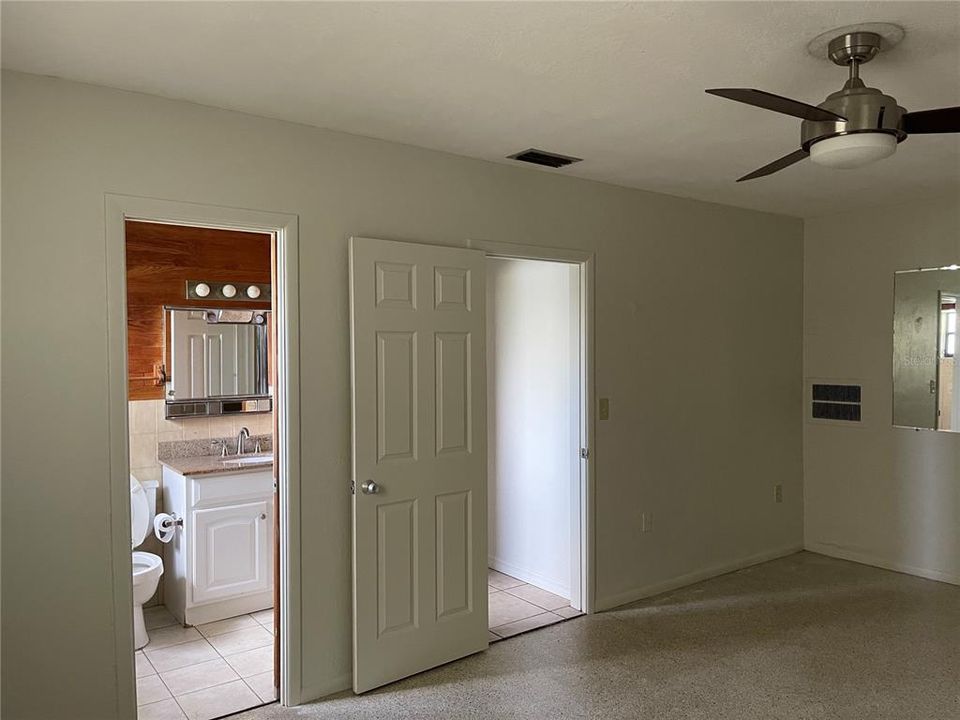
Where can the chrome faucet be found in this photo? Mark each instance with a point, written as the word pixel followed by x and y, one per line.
pixel 244 433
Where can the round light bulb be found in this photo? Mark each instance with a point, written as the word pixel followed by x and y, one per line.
pixel 229 291
pixel 202 289
pixel 253 292
pixel 854 150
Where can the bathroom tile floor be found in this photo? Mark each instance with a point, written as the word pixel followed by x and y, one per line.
pixel 212 670
pixel 204 672
pixel 516 606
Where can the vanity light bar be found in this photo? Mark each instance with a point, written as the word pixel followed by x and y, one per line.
pixel 204 290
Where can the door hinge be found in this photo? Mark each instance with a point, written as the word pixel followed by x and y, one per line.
pixel 584 453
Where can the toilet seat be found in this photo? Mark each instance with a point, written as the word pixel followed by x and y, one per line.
pixel 144 563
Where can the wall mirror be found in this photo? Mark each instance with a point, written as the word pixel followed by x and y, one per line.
pixel 926 375
pixel 218 361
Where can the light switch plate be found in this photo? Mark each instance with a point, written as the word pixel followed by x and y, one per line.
pixel 604 408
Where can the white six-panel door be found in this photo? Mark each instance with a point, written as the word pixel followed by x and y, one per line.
pixel 419 457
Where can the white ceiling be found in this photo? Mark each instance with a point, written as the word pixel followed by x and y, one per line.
pixel 619 84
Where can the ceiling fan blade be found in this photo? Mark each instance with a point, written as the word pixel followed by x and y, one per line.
pixel 780 164
pixel 769 101
pixel 944 120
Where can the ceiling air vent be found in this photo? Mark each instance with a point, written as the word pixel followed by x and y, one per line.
pixel 542 157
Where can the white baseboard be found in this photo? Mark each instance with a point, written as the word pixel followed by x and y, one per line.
pixel 629 596
pixel 868 559
pixel 529 576
pixel 334 685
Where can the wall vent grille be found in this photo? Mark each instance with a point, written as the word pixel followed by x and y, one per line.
pixel 542 157
pixel 836 402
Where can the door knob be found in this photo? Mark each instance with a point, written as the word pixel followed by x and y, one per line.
pixel 369 488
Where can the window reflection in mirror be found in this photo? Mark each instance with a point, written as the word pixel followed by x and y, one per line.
pixel 926 376
pixel 947 415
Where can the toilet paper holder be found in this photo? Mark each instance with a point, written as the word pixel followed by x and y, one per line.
pixel 165 526
pixel 174 520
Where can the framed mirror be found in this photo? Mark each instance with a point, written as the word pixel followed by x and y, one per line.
pixel 218 360
pixel 926 374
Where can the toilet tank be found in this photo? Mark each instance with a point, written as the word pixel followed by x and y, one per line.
pixel 150 488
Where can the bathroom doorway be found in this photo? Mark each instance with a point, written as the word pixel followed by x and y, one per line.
pixel 538 437
pixel 206 376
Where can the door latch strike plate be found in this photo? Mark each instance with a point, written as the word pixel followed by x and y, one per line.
pixel 353 487
pixel 584 453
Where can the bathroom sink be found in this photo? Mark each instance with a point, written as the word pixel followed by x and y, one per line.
pixel 248 459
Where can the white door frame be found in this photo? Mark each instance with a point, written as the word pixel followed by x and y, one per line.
pixel 283 227
pixel 586 261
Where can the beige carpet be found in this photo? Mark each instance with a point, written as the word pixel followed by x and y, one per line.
pixel 802 637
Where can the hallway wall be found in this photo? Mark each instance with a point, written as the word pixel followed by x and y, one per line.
pixel 533 419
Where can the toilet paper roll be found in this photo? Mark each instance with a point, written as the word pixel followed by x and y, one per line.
pixel 164 527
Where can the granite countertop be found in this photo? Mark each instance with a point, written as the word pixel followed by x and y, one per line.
pixel 211 464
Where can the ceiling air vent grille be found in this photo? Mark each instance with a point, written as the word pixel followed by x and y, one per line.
pixel 542 157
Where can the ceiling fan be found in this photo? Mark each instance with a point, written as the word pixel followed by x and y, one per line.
pixel 854 126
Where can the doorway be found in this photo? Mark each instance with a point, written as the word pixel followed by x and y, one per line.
pixel 421 581
pixel 216 637
pixel 535 417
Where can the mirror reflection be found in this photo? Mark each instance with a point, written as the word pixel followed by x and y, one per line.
pixel 216 353
pixel 926 376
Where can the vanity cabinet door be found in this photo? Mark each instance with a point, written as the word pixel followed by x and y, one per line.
pixel 232 551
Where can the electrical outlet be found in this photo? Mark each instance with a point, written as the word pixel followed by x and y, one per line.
pixel 778 493
pixel 646 522
pixel 604 408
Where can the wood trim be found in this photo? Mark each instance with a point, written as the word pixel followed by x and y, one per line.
pixel 160 258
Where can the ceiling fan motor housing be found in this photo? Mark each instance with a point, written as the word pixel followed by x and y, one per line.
pixel 867 110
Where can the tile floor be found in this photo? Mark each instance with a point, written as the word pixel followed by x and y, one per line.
pixel 516 606
pixel 204 672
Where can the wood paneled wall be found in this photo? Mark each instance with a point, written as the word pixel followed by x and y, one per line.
pixel 160 259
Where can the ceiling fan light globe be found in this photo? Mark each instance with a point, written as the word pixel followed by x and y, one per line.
pixel 845 152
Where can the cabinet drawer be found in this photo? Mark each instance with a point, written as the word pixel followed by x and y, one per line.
pixel 208 490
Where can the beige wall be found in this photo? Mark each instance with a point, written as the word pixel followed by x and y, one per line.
pixel 149 427
pixel 705 407
pixel 878 494
pixel 533 420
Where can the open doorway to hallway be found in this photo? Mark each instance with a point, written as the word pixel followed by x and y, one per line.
pixel 535 425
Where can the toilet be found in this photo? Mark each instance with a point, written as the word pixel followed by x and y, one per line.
pixel 147 567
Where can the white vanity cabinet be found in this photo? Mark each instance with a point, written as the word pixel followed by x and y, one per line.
pixel 220 562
